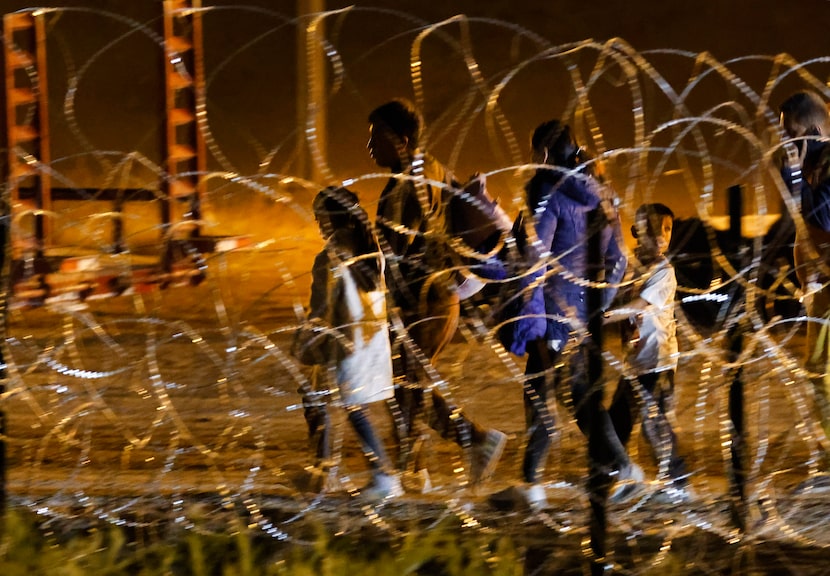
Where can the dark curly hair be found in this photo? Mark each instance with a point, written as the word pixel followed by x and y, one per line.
pixel 401 117
pixel 338 208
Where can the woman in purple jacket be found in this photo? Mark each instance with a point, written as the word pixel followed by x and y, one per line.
pixel 553 323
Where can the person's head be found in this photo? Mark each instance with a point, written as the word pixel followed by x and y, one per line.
pixel 338 210
pixel 652 228
pixel 552 143
pixel 334 209
pixel 805 114
pixel 394 133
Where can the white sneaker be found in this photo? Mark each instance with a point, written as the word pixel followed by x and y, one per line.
pixel 536 497
pixel 673 493
pixel 383 487
pixel 628 483
pixel 485 455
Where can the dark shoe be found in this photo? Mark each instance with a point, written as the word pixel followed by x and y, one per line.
pixel 531 497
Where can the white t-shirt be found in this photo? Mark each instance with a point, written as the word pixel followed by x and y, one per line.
pixel 654 346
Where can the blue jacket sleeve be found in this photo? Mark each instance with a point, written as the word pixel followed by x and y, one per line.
pixel 615 265
pixel 815 204
pixel 545 225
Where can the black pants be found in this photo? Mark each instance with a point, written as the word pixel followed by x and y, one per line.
pixel 543 375
pixel 649 401
pixel 428 333
pixel 446 419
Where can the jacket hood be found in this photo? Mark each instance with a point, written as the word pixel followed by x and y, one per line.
pixel 578 187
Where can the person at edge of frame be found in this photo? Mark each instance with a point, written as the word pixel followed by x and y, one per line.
pixel 804 118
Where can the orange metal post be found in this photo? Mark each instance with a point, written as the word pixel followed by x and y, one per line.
pixel 27 116
pixel 185 89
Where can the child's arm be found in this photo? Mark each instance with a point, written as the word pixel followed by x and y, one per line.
pixel 629 310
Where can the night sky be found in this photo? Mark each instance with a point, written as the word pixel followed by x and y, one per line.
pixel 727 29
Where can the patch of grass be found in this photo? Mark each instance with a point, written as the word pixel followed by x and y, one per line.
pixel 30 546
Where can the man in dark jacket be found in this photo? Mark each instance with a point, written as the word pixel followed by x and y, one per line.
pixel 410 225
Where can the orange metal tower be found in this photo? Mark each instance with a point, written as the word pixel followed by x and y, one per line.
pixel 38 273
pixel 184 101
pixel 27 117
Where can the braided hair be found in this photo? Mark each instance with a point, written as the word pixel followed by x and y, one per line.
pixel 345 223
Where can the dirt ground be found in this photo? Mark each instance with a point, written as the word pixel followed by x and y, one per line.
pixel 188 397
